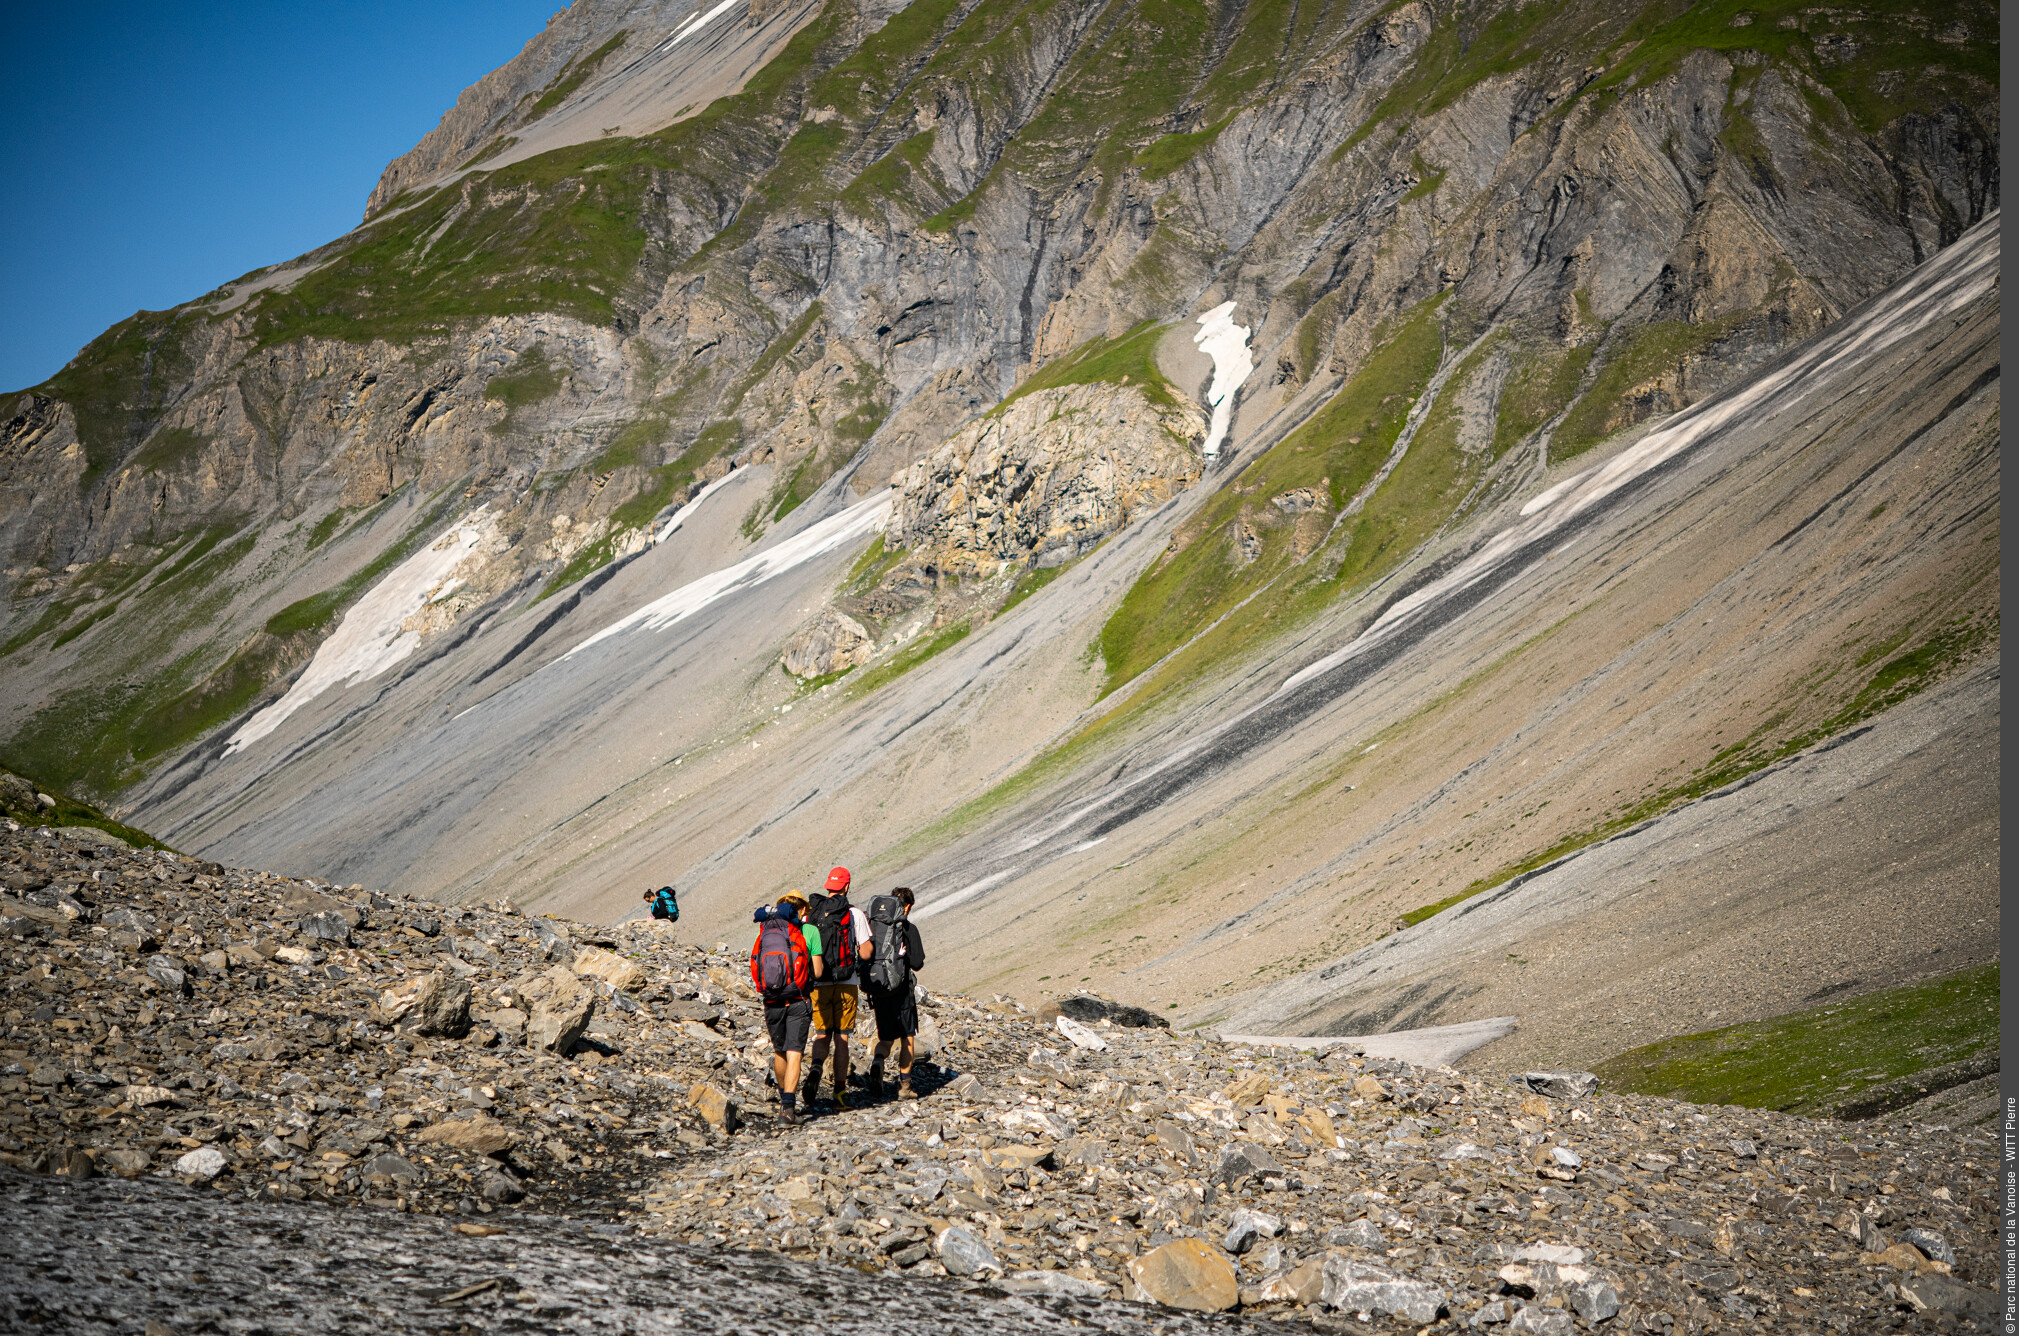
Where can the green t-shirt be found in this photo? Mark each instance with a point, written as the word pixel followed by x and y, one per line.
pixel 812 936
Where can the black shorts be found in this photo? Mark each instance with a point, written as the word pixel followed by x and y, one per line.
pixel 788 1023
pixel 896 1013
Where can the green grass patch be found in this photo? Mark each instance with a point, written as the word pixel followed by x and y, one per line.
pixel 654 489
pixel 1130 359
pixel 1896 63
pixel 1618 396
pixel 572 76
pixel 119 384
pixel 1030 582
pixel 489 151
pixel 70 812
pixel 1463 52
pixel 326 527
pixel 1428 179
pixel 1338 449
pixel 1167 155
pixel 869 569
pixel 103 612
pixel 911 656
pixel 1810 1062
pixel 900 174
pixel 169 450
pixel 1538 386
pixel 532 379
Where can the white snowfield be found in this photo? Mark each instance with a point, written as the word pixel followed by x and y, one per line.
pixel 1227 344
pixel 372 636
pixel 813 541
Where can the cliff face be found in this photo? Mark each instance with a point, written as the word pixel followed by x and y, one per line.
pixel 903 215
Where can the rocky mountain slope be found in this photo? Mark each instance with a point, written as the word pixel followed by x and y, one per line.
pixel 252 1053
pixel 468 554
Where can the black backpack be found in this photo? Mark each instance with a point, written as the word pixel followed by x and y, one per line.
pixel 888 970
pixel 830 914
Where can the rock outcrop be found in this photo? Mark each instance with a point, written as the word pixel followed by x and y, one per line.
pixel 833 642
pixel 1045 479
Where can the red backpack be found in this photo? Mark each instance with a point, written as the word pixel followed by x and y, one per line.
pixel 780 967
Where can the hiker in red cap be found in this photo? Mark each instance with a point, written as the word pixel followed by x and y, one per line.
pixel 844 944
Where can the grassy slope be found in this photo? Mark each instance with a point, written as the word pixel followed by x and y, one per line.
pixel 69 811
pixel 1810 1062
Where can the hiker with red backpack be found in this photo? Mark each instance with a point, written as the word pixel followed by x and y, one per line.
pixel 896 953
pixel 844 945
pixel 781 969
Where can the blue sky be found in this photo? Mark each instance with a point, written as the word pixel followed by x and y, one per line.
pixel 154 151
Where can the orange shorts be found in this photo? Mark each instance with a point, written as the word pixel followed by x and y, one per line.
pixel 834 1007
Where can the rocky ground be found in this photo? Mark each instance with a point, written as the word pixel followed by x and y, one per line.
pixel 588 1112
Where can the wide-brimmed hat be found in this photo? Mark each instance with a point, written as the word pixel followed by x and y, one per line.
pixel 837 880
pixel 793 898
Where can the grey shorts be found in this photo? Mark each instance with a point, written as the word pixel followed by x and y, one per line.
pixel 788 1023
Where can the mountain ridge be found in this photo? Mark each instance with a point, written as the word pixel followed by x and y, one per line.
pixel 1476 247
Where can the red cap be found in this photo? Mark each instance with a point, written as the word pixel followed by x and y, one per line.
pixel 837 880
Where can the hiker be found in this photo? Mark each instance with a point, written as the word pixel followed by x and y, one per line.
pixel 665 904
pixel 781 969
pixel 844 944
pixel 896 954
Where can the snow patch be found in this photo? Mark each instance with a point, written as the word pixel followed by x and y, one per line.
pixel 816 540
pixel 694 25
pixel 679 517
pixel 1227 344
pixel 372 636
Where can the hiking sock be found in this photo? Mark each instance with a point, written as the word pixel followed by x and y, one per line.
pixel 788 1099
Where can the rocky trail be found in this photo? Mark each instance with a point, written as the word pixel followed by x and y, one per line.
pixel 240 1102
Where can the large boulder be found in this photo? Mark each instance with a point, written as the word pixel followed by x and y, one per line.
pixel 1189 1273
pixel 480 1135
pixel 833 642
pixel 1091 1010
pixel 562 1007
pixel 428 1004
pixel 1360 1287
pixel 596 963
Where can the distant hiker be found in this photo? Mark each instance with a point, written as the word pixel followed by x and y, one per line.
pixel 896 954
pixel 781 969
pixel 665 904
pixel 844 944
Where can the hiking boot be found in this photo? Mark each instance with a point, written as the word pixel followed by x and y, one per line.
pixel 875 1083
pixel 904 1090
pixel 841 1099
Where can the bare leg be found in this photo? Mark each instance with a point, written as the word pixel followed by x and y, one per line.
pixel 816 1059
pixel 840 1064
pixel 785 1066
